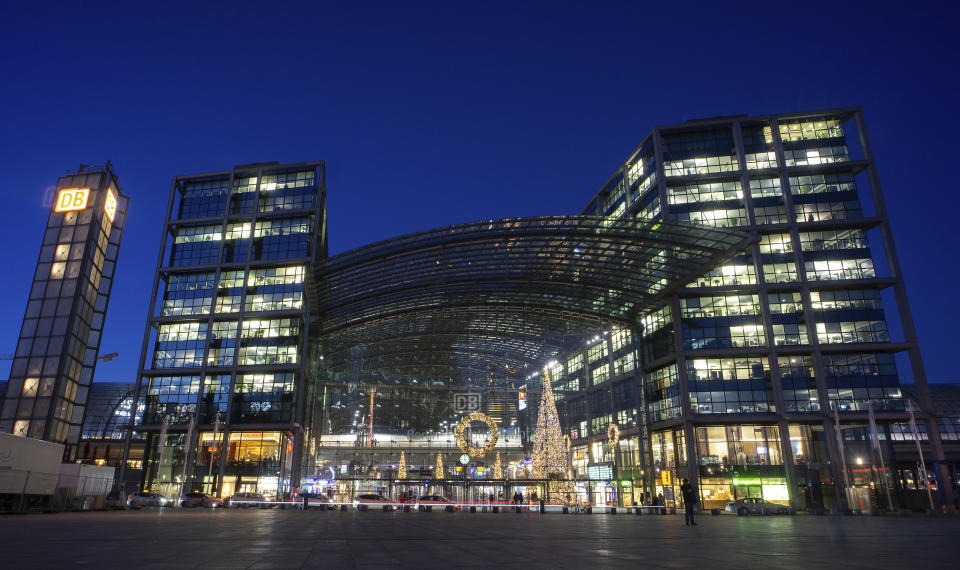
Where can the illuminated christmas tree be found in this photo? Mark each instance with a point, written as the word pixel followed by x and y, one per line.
pixel 438 471
pixel 402 471
pixel 498 468
pixel 549 456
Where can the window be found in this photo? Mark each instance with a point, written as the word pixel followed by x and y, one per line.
pixel 833 240
pixel 264 397
pixel 849 316
pixel 729 385
pixel 287 191
pixel 188 294
pixel 203 198
pixel 822 183
pixel 170 397
pixel 738 272
pixel 275 289
pixel 180 345
pixel 823 211
pixel 797 380
pixel 702 152
pixel 273 341
pixel 196 245
pixel 828 270
pixel 282 239
pixel 244 193
pixel 758 147
pixel 696 192
pixel 776 243
pixel 779 272
pixel 719 217
pixel 229 291
pixel 765 188
pixel 662 394
pixel 223 344
pixel 854 380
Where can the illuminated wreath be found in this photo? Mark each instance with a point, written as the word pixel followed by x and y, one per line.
pixel 613 435
pixel 462 442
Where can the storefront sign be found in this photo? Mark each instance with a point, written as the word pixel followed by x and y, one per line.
pixel 71 199
pixel 666 478
pixel 110 206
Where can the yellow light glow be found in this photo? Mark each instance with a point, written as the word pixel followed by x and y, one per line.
pixel 71 199
pixel 110 206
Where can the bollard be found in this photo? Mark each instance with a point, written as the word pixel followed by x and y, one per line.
pixel 638 511
pixel 406 508
pixel 613 510
pixel 496 509
pixel 517 509
pixel 589 510
pixel 449 508
pixel 566 510
pixel 343 507
pixel 473 509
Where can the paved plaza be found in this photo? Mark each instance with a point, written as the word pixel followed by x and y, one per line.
pixel 169 538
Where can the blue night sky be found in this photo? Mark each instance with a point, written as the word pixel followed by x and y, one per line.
pixel 434 113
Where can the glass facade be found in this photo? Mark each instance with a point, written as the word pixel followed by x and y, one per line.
pixel 786 333
pixel 59 342
pixel 226 343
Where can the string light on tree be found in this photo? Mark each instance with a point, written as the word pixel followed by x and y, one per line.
pixel 438 470
pixel 402 471
pixel 613 436
pixel 549 454
pixel 498 468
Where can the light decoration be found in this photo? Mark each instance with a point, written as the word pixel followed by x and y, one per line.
pixel 613 436
pixel 438 470
pixel 498 468
pixel 110 205
pixel 549 454
pixel 402 471
pixel 462 442
pixel 71 199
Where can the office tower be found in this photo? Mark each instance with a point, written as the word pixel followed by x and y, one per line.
pixel 747 368
pixel 57 352
pixel 222 371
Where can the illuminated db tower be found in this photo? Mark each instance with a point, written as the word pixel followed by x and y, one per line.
pixel 57 352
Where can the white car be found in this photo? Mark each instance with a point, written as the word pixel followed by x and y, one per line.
pixel 144 499
pixel 754 506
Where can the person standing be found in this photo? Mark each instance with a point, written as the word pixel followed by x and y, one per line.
pixel 689 501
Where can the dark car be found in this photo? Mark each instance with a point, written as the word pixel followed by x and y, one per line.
pixel 364 501
pixel 438 502
pixel 754 506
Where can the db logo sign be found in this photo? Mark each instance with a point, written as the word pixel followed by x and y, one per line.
pixel 71 199
pixel 466 402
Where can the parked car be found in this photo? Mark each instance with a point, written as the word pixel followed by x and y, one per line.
pixel 145 499
pixel 247 500
pixel 364 501
pixel 197 499
pixel 317 500
pixel 436 501
pixel 754 506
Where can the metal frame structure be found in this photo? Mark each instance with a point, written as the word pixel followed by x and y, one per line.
pixel 494 297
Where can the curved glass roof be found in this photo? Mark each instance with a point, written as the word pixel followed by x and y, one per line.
pixel 486 299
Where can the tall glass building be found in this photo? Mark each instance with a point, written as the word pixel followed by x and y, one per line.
pixel 56 355
pixel 718 312
pixel 746 369
pixel 222 372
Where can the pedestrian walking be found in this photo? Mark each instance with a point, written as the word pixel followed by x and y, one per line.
pixel 689 502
